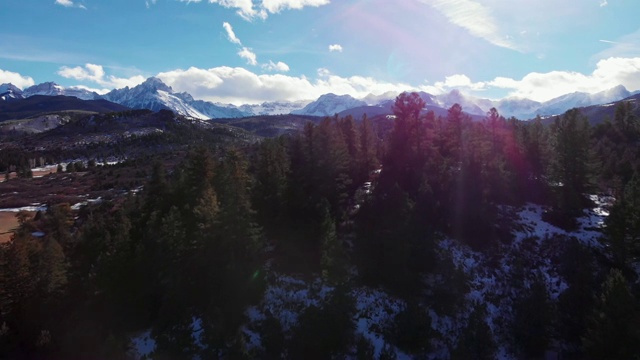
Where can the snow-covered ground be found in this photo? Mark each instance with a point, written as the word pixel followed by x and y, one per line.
pixel 33 207
pixel 534 240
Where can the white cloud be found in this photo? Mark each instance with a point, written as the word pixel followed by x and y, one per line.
pixel 459 81
pixel 541 87
pixel 69 3
pixel 603 3
pixel 249 11
pixel 335 47
pixel 148 3
pixel 15 79
pixel 275 6
pixel 230 34
pixel 95 90
pixel 248 55
pixel 241 86
pixel 65 3
pixel 545 86
pixel 96 74
pixel 474 17
pixel 324 72
pixel 279 66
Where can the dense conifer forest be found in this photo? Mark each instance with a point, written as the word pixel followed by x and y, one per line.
pixel 346 207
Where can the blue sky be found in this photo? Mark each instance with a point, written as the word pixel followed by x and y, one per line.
pixel 250 51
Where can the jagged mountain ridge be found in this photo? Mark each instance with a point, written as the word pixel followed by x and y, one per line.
pixel 520 108
pixel 155 95
pixel 273 107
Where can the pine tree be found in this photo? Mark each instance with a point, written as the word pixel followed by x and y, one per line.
pixel 476 341
pixel 333 259
pixel 571 166
pixel 272 170
pixel 623 223
pixel 368 148
pixel 532 320
pixel 52 267
pixel 612 331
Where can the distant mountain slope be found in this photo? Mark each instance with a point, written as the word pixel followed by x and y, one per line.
pixel 273 107
pixel 41 104
pixel 271 125
pixel 517 107
pixel 386 108
pixel 329 105
pixel 581 99
pixel 153 94
pixel 597 114
pixel 53 89
pixel 10 92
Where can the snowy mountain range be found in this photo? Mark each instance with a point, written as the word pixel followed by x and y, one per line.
pixel 155 95
pixel 274 108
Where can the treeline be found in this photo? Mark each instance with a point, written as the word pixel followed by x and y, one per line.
pixel 196 247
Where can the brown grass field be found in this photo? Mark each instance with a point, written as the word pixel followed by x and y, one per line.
pixel 8 222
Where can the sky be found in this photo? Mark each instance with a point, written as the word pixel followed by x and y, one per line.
pixel 251 51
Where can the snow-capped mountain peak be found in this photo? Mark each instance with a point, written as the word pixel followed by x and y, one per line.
pixel 330 104
pixel 10 92
pixel 372 99
pixel 582 99
pixel 154 94
pixel 153 83
pixel 53 89
pixel 469 104
pixel 46 88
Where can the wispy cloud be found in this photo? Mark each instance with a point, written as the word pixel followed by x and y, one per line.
pixel 69 3
pixel 248 55
pixel 279 66
pixel 250 11
pixel 148 3
pixel 275 6
pixel 96 74
pixel 603 3
pixel 230 34
pixel 335 47
pixel 625 46
pixel 475 18
pixel 15 79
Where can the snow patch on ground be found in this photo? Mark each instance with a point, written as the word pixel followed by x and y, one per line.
pixel 534 245
pixel 142 345
pixel 374 309
pixel 32 208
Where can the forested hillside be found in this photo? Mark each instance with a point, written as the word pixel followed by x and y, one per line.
pixel 441 238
